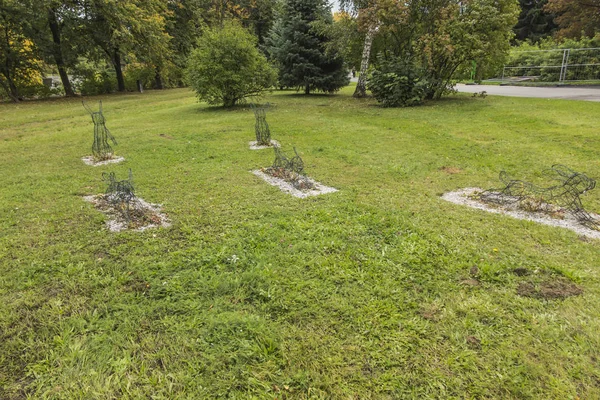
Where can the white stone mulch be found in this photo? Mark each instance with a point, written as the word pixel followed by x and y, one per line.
pixel 465 197
pixel 289 188
pixel 89 160
pixel 115 223
pixel 254 145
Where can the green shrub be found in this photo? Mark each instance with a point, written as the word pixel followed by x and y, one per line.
pixel 94 78
pixel 137 71
pixel 397 83
pixel 226 67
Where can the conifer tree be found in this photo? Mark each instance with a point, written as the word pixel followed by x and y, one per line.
pixel 299 50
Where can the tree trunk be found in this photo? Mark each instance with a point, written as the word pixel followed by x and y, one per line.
pixel 361 86
pixel 307 89
pixel 118 70
pixel 57 53
pixel 11 90
pixel 158 83
pixel 9 86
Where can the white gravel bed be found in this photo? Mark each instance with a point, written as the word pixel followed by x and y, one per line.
pixel 289 188
pixel 254 145
pixel 89 160
pixel 116 224
pixel 462 197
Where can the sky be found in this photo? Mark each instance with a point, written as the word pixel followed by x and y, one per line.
pixel 335 7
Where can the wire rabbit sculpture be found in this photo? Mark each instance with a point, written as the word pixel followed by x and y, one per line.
pixel 570 185
pixel 100 148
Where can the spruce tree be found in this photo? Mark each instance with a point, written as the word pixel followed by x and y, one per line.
pixel 534 22
pixel 299 50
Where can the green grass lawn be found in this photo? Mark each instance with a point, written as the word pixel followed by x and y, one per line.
pixel 361 294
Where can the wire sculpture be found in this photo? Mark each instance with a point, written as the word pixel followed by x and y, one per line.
pixel 121 194
pixel 261 127
pixel 294 164
pixel 290 170
pixel 100 148
pixel 565 194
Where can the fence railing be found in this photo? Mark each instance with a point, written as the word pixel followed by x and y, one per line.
pixel 557 65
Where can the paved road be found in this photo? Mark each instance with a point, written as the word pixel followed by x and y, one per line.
pixel 569 93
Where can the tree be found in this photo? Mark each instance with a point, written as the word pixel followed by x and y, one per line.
pixel 226 67
pixel 534 23
pixel 455 35
pixel 184 24
pixel 19 61
pixel 119 27
pixel 54 30
pixel 575 18
pixel 345 38
pixel 301 53
pixel 361 85
pixel 365 8
pixel 442 38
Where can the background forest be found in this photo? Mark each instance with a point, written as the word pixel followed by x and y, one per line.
pixel 88 47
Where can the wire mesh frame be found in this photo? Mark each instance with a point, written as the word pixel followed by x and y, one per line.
pixel 565 193
pixel 558 65
pixel 100 148
pixel 121 194
pixel 261 127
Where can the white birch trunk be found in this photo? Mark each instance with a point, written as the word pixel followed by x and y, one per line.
pixel 361 86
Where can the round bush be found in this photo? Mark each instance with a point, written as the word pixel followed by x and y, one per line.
pixel 226 67
pixel 397 83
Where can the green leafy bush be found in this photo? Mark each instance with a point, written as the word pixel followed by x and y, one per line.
pixel 36 90
pixel 397 83
pixel 92 78
pixel 137 71
pixel 226 67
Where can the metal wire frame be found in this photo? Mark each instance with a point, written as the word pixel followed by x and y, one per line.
pixel 100 148
pixel 120 194
pixel 565 193
pixel 294 164
pixel 261 127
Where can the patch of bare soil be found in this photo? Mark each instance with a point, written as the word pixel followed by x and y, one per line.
pixel 139 216
pixel 474 342
pixel 431 312
pixel 520 271
pixel 136 285
pixel 451 170
pixel 557 288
